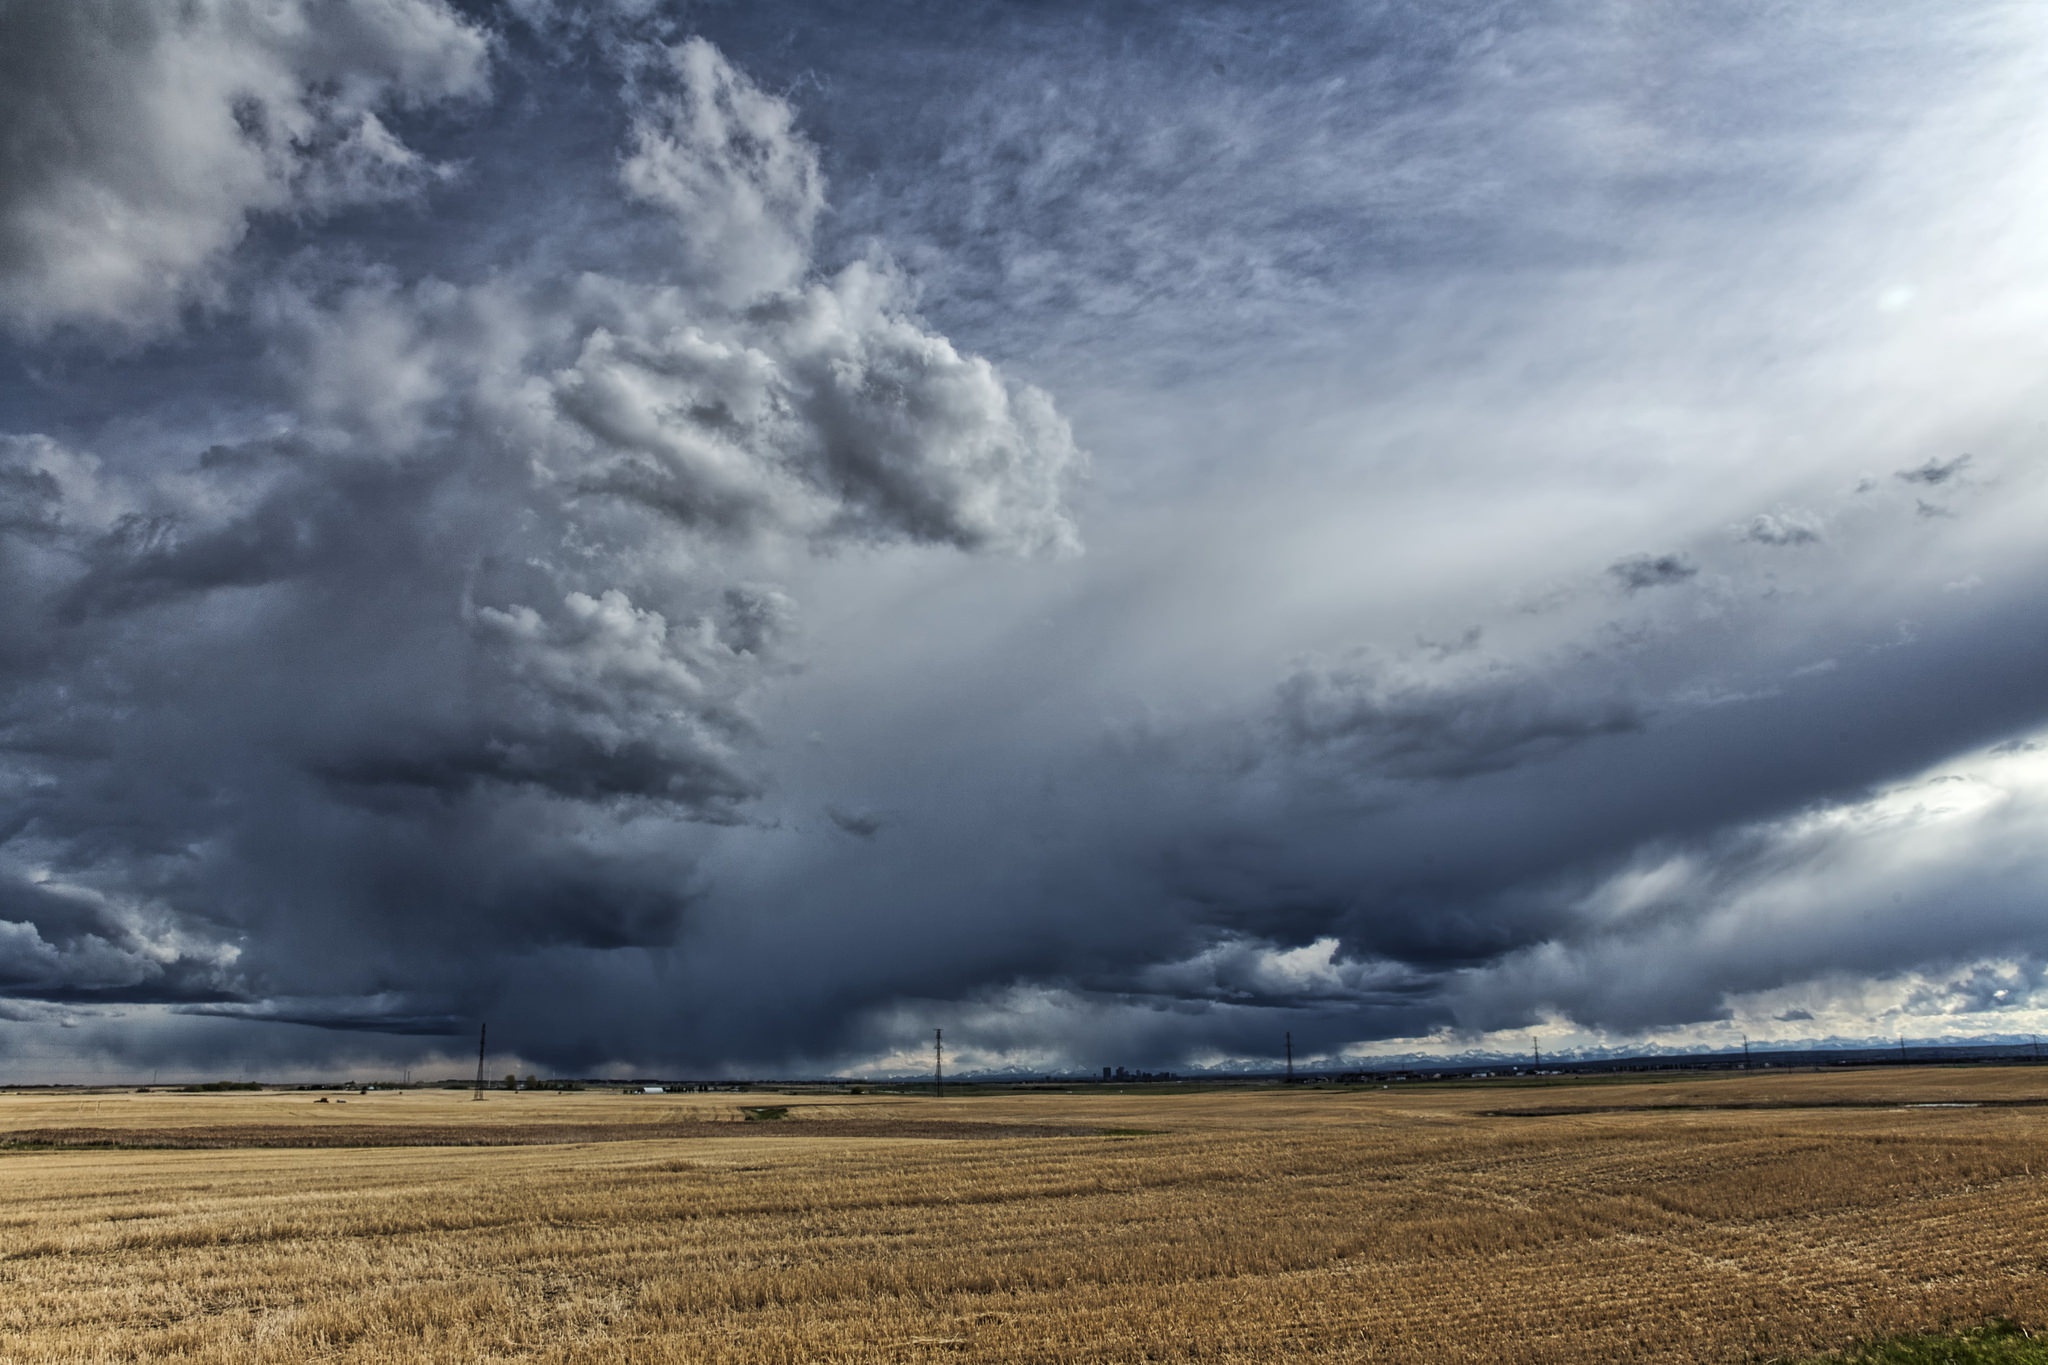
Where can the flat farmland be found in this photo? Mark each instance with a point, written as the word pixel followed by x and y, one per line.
pixel 1745 1217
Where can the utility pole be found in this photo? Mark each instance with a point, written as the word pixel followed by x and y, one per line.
pixel 2037 1045
pixel 1745 1052
pixel 1290 1057
pixel 938 1062
pixel 1902 1047
pixel 482 1032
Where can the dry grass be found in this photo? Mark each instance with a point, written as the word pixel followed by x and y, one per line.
pixel 1396 1225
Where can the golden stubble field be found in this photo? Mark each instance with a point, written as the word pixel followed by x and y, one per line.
pixel 1739 1218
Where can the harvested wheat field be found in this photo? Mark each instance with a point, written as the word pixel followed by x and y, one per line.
pixel 1738 1218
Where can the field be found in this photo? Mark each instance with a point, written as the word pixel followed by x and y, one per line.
pixel 1744 1217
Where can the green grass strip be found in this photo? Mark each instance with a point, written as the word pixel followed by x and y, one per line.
pixel 1995 1343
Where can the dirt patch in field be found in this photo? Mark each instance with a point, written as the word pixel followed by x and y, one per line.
pixel 287 1135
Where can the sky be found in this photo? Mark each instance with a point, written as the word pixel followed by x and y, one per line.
pixel 720 538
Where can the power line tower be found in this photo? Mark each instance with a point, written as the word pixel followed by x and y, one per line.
pixel 938 1062
pixel 1290 1057
pixel 1745 1052
pixel 482 1032
pixel 1536 1048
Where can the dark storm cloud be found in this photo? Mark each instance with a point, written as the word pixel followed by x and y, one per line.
pixel 1414 728
pixel 1610 872
pixel 28 499
pixel 859 824
pixel 1935 472
pixel 59 920
pixel 1708 787
pixel 489 481
pixel 380 1016
pixel 447 668
pixel 65 944
pixel 1637 572
pixel 293 527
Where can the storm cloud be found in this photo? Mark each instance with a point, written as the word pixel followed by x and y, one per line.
pixel 141 139
pixel 720 546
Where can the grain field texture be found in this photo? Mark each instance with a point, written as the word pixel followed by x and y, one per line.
pixel 1736 1218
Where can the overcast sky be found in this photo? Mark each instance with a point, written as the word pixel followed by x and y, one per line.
pixel 722 537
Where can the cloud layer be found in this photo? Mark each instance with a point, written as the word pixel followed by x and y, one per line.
pixel 143 139
pixel 575 517
pixel 440 660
